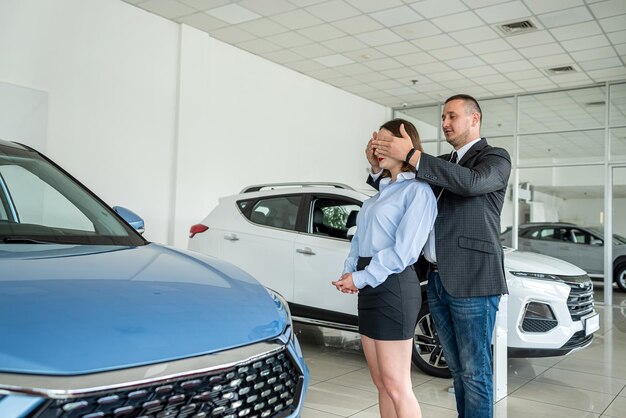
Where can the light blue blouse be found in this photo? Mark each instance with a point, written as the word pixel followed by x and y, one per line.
pixel 392 228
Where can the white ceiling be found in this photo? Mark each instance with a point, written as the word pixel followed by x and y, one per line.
pixel 375 48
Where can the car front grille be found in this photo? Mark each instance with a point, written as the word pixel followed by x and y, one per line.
pixel 268 386
pixel 580 300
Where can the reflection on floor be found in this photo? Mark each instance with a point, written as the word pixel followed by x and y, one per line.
pixel 589 383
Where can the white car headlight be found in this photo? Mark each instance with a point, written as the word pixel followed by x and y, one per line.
pixel 538 276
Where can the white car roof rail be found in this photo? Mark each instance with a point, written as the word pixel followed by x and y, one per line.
pixel 271 186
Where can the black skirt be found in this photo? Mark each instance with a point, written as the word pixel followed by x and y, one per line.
pixel 389 311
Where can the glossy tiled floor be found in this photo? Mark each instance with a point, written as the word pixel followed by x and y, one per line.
pixel 589 383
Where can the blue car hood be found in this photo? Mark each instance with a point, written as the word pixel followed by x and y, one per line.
pixel 67 310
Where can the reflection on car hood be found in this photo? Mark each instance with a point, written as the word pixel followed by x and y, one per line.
pixel 82 309
pixel 538 263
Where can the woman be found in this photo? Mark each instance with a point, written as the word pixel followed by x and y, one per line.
pixel 392 228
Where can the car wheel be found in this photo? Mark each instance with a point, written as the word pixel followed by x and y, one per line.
pixel 427 351
pixel 619 275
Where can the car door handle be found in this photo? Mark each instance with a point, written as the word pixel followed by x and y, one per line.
pixel 305 250
pixel 566 248
pixel 231 237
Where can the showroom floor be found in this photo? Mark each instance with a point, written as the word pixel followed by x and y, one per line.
pixel 590 383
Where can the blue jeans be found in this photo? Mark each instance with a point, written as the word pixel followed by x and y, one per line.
pixel 465 328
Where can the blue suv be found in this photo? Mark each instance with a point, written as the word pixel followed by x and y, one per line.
pixel 96 322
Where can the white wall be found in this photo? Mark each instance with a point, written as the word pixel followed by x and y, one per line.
pixel 24 115
pixel 110 71
pixel 162 119
pixel 252 121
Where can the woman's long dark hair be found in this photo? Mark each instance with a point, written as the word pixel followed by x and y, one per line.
pixel 393 126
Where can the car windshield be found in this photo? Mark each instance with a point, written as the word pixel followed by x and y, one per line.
pixel 39 203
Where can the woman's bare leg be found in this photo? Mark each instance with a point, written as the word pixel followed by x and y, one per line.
pixel 394 368
pixel 385 404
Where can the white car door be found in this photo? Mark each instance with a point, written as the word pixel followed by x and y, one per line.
pixel 263 244
pixel 320 254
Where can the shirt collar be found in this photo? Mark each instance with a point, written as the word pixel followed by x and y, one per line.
pixel 403 176
pixel 460 153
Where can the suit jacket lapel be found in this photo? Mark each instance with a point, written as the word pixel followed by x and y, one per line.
pixel 473 151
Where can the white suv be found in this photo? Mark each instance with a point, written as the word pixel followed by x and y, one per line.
pixel 294 239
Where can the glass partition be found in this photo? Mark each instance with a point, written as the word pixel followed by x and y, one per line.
pixel 561 163
pixel 498 117
pixel 427 120
pixel 618 229
pixel 618 144
pixel 562 147
pixel 562 110
pixel 562 214
pixel 617 111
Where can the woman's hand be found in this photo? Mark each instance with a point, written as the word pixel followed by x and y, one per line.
pixel 369 154
pixel 345 284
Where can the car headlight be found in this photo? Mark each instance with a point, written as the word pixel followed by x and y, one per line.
pixel 538 276
pixel 283 305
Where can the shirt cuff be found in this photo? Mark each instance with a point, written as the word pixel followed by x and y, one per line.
pixel 375 175
pixel 358 279
pixel 362 278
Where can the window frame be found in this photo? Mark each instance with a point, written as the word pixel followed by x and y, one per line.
pixel 307 221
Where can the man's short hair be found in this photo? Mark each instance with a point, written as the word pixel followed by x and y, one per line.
pixel 471 104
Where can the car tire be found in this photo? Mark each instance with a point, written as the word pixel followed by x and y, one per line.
pixel 619 275
pixel 427 351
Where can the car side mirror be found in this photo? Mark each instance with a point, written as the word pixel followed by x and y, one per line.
pixel 351 232
pixel 597 242
pixel 131 218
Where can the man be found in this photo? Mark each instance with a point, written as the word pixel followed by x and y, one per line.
pixel 466 274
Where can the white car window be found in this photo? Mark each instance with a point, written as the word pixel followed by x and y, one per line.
pixel 581 237
pixel 278 212
pixel 333 217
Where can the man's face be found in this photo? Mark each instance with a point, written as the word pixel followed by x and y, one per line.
pixel 459 126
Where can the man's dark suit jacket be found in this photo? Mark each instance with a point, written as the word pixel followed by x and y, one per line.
pixel 467 229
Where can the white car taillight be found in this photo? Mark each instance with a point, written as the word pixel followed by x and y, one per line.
pixel 197 229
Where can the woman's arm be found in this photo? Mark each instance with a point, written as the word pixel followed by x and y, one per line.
pixel 417 221
pixel 349 265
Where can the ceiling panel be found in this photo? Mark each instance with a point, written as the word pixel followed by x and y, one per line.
pixel 458 43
